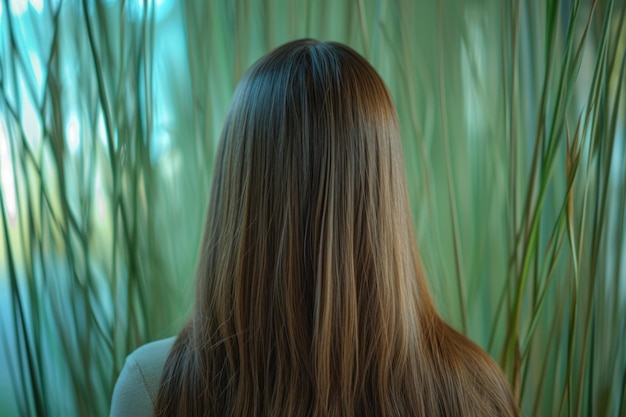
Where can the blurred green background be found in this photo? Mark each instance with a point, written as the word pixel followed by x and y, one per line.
pixel 513 115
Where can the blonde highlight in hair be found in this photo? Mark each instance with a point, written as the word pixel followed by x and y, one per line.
pixel 310 297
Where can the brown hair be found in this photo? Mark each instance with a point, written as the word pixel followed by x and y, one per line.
pixel 310 297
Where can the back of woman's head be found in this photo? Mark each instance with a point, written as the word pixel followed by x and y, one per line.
pixel 310 299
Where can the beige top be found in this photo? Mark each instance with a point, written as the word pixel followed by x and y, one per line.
pixel 137 386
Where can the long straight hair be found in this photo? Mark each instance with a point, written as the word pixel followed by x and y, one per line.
pixel 310 297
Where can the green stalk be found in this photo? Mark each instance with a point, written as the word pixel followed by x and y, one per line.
pixel 452 202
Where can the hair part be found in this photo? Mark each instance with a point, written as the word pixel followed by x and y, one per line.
pixel 310 297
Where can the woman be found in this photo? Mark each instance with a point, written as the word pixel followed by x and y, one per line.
pixel 310 297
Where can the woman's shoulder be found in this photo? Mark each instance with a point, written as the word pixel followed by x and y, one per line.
pixel 137 386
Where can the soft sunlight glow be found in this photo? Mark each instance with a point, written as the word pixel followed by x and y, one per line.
pixel 18 7
pixel 37 5
pixel 102 131
pixel 31 124
pixel 72 133
pixel 35 65
pixel 29 119
pixel 161 144
pixel 7 180
pixel 136 8
pixel 616 173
